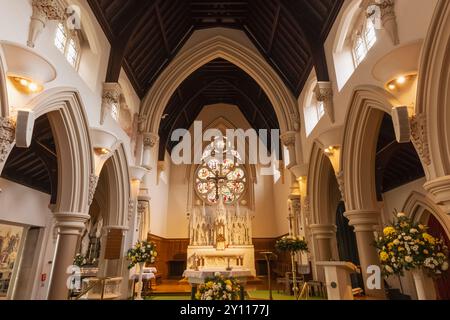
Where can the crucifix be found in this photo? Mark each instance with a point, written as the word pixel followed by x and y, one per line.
pixel 218 179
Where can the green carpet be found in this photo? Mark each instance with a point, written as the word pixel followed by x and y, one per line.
pixel 169 297
pixel 264 295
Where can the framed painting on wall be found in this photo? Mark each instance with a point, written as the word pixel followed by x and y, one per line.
pixel 10 237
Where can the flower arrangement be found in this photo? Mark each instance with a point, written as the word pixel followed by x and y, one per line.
pixel 142 252
pixel 219 288
pixel 291 244
pixel 79 260
pixel 407 246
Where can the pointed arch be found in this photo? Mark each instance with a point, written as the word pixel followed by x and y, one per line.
pixel 418 206
pixel 118 187
pixel 362 123
pixel 240 55
pixel 321 180
pixel 68 120
pixel 433 92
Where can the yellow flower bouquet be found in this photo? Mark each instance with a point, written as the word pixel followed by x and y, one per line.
pixel 406 245
pixel 143 251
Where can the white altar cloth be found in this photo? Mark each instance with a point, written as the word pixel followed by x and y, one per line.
pixel 145 276
pixel 198 277
pixel 150 270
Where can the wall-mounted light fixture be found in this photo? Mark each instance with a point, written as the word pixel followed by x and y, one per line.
pixel 401 82
pixel 101 151
pixel 27 71
pixel 329 151
pixel 25 85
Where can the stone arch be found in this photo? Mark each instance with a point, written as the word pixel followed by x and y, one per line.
pixel 65 111
pixel 320 180
pixel 219 46
pixel 358 153
pixel 418 206
pixel 118 187
pixel 69 123
pixel 433 98
pixel 363 119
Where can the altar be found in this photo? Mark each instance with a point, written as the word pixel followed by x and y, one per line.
pixel 234 257
pixel 220 237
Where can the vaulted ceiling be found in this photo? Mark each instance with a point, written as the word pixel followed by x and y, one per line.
pixel 219 81
pixel 396 163
pixel 146 35
pixel 37 166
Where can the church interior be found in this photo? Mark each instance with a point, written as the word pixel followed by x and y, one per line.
pixel 217 135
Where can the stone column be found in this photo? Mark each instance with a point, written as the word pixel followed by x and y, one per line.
pixel 322 235
pixel 365 223
pixel 150 140
pixel 69 226
pixel 288 139
pixel 143 210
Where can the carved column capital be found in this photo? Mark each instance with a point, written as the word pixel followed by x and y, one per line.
pixel 419 137
pixel 51 9
pixel 93 182
pixel 142 206
pixel 43 10
pixel 7 137
pixel 324 94
pixel 383 11
pixel 288 138
pixel 150 139
pixel 111 94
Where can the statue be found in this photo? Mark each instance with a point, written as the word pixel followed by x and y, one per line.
pixel 98 231
pixel 85 240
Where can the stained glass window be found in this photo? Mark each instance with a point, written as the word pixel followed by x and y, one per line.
pixel 220 174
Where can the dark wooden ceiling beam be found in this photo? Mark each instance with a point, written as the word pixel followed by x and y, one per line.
pixel 120 42
pixel 274 26
pixel 162 29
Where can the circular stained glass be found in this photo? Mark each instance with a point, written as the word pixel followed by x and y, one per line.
pixel 220 174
